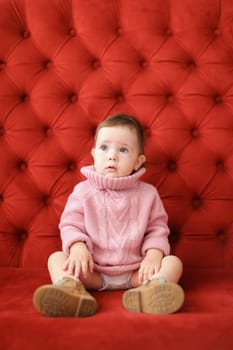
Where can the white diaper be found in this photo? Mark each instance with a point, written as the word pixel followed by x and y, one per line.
pixel 116 282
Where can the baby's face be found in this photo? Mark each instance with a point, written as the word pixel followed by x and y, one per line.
pixel 116 152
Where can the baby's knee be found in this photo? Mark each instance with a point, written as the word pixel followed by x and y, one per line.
pixel 174 261
pixel 54 258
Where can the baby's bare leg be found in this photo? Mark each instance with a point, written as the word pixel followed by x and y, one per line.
pixel 171 269
pixel 55 266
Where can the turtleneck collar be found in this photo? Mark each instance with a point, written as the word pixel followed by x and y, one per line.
pixel 111 183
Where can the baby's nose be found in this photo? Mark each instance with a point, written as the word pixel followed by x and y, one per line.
pixel 112 154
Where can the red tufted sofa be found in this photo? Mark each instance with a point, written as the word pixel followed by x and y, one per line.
pixel 64 66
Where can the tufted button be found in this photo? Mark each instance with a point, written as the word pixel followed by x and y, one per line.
pixel 143 63
pixel 191 65
pixel 194 132
pixel 220 165
pixel 73 98
pixel 147 132
pixel 171 166
pixel 170 98
pixel 93 131
pixel 216 32
pixel 221 235
pixel 47 131
pixel 48 64
pixel 168 32
pixel 71 166
pixel 1 198
pixel 22 234
pixel 2 131
pixel 26 34
pixel 24 97
pixel 2 65
pixel 118 31
pixel 72 32
pixel 196 202
pixel 46 199
pixel 119 97
pixel 22 166
pixel 217 99
pixel 95 63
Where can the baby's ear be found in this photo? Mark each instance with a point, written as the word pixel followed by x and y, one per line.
pixel 141 160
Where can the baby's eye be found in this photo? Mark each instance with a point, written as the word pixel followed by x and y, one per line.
pixel 103 147
pixel 124 150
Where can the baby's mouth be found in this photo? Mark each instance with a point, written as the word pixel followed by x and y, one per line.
pixel 111 168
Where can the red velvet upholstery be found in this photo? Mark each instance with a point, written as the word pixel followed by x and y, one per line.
pixel 64 66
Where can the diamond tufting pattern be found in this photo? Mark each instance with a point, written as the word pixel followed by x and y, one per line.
pixel 65 65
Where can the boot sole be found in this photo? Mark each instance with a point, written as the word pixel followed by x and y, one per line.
pixel 156 298
pixel 53 302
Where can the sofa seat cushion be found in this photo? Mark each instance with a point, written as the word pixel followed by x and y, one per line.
pixel 206 317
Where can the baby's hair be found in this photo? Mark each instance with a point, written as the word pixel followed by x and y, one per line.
pixel 121 119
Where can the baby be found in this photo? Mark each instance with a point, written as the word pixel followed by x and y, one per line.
pixel 114 234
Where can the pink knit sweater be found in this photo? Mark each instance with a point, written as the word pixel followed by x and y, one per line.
pixel 119 219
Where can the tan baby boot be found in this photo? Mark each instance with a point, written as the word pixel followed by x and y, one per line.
pixel 154 297
pixel 67 298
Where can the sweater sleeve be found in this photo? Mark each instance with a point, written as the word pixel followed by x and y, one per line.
pixel 71 225
pixel 157 232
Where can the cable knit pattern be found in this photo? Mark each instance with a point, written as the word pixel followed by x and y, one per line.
pixel 118 218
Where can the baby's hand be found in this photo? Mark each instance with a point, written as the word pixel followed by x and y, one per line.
pixel 79 261
pixel 150 265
